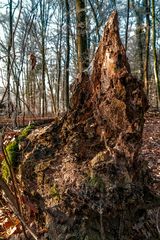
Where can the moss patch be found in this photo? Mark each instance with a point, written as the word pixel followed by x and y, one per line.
pixel 96 181
pixel 25 131
pixel 12 153
pixel 54 192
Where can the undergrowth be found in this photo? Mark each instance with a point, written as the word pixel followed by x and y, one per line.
pixel 25 131
pixel 96 181
pixel 12 153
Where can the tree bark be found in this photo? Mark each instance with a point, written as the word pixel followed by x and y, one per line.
pixel 139 34
pixel 89 180
pixel 59 58
pixel 146 60
pixel 43 32
pixel 155 54
pixel 96 20
pixel 9 57
pixel 82 49
pixel 67 52
pixel 127 23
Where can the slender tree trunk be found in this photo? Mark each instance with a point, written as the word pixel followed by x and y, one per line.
pixel 44 110
pixel 67 52
pixel 59 72
pixel 82 49
pixel 27 84
pixel 17 105
pixel 8 55
pixel 114 3
pixel 59 59
pixel 23 95
pixel 44 102
pixel 146 61
pixel 53 105
pixel 155 54
pixel 127 24
pixel 15 71
pixel 139 44
pixel 95 18
pixel 139 34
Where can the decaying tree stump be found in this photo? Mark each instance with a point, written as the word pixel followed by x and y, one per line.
pixel 83 170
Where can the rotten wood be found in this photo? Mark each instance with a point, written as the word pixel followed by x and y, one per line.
pixel 84 167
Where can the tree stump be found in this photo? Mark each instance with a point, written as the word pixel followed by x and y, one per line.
pixel 83 170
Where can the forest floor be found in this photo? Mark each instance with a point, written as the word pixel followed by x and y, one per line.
pixel 150 153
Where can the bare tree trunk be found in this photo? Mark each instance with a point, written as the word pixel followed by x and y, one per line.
pixel 67 53
pixel 8 55
pixel 23 96
pixel 59 59
pixel 27 84
pixel 146 60
pixel 95 18
pixel 155 54
pixel 44 102
pixel 43 32
pixel 138 9
pixel 53 107
pixel 140 46
pixel 82 49
pixel 114 3
pixel 16 71
pixel 127 24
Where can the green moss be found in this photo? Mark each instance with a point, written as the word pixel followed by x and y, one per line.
pixel 5 171
pixel 54 192
pixel 11 154
pixel 12 151
pixel 96 182
pixel 25 132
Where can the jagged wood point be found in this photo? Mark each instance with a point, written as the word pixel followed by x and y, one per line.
pixel 86 175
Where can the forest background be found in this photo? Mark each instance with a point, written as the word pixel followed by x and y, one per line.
pixel 40 49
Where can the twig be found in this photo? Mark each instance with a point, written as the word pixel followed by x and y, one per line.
pixel 16 199
pixel 14 207
pixel 8 192
pixel 16 212
pixel 10 170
